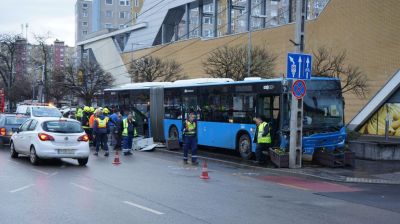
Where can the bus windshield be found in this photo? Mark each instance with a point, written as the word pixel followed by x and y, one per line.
pixel 323 111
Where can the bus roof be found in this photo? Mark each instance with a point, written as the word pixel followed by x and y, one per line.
pixel 200 82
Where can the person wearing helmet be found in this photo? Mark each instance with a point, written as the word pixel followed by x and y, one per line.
pixel 79 113
pixel 85 121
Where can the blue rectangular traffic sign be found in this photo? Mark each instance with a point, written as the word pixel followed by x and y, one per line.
pixel 299 66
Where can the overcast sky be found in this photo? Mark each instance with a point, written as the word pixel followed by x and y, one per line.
pixel 54 16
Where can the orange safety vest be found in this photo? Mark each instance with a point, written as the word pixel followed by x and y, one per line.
pixel 91 121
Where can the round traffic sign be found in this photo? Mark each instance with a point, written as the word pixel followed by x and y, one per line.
pixel 299 89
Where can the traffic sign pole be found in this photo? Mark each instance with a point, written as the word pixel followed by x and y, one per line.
pixel 296 109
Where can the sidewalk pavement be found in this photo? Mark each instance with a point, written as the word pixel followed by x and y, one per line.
pixel 365 171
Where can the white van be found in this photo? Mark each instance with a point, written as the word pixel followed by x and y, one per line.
pixel 38 111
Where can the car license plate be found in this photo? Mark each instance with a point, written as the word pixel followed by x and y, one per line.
pixel 65 151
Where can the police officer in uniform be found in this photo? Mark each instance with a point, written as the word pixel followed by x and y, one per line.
pixel 190 139
pixel 262 138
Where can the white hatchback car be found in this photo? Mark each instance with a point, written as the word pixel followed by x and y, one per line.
pixel 48 138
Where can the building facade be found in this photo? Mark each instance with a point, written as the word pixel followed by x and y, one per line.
pixel 111 14
pixel 83 19
pixel 21 58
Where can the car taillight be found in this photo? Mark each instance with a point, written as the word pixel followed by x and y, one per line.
pixel 83 138
pixel 3 131
pixel 45 137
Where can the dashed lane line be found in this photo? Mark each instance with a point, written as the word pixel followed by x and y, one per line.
pixel 21 188
pixel 143 208
pixel 40 171
pixel 82 187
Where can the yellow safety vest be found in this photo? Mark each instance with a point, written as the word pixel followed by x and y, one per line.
pixel 102 123
pixel 125 128
pixel 260 138
pixel 190 128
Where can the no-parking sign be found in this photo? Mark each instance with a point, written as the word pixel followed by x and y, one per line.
pixel 299 89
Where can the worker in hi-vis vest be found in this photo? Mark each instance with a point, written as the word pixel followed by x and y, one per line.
pixel 101 129
pixel 190 139
pixel 128 132
pixel 262 138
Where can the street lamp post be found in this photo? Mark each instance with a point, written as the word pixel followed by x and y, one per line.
pixel 40 90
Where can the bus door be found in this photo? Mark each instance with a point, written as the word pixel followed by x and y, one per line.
pixel 268 107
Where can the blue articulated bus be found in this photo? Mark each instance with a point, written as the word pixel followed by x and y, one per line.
pixel 225 110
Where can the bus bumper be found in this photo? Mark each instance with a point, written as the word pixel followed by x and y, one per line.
pixel 328 141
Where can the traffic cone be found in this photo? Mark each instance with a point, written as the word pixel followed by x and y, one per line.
pixel 204 172
pixel 116 158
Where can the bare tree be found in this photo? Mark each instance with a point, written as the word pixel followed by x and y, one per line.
pixel 327 64
pixel 87 81
pixel 7 61
pixel 232 62
pixel 42 58
pixel 150 69
pixel 56 85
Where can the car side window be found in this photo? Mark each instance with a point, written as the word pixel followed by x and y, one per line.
pixel 25 125
pixel 33 125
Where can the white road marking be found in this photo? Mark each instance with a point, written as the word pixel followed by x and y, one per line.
pixel 12 161
pixel 53 174
pixel 82 187
pixel 143 207
pixel 39 171
pixel 21 188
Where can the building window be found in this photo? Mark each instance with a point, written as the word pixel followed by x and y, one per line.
pixel 107 25
pixel 121 26
pixel 109 13
pixel 207 20
pixel 109 2
pixel 85 5
pixel 124 2
pixel 208 8
pixel 84 23
pixel 136 3
pixel 85 13
pixel 208 33
pixel 123 15
pixel 84 32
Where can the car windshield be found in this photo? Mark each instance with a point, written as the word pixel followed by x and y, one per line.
pixel 15 120
pixel 46 112
pixel 62 126
pixel 323 111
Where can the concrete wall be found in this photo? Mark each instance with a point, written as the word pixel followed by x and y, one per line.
pixel 367 29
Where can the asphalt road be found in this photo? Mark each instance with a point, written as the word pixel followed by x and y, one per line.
pixel 155 187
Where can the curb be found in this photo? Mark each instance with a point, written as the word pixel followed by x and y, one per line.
pixel 337 178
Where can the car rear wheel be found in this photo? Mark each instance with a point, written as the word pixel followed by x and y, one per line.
pixel 83 162
pixel 244 146
pixel 33 157
pixel 14 154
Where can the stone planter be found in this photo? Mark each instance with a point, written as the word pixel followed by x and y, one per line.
pixel 280 160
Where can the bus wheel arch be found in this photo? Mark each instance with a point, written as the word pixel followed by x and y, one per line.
pixel 173 132
pixel 244 144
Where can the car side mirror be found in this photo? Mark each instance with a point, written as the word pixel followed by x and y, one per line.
pixel 15 130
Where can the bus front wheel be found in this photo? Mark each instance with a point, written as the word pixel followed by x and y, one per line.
pixel 244 146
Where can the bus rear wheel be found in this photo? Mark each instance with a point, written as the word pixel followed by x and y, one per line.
pixel 244 147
